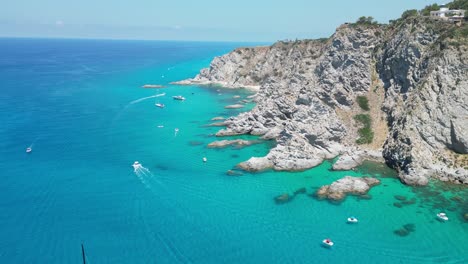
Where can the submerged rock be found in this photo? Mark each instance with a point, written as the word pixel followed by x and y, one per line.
pixel 364 197
pixel 195 143
pixel 405 230
pixel 408 202
pixel 234 173
pixel 401 232
pixel 347 185
pixel 400 197
pixel 283 198
pixel 409 227
pixel 465 216
pixel 217 124
pixel 300 190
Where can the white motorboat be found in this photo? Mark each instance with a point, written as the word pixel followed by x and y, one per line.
pixel 352 220
pixel 160 105
pixel 205 159
pixel 136 165
pixel 327 242
pixel 160 126
pixel 178 97
pixel 28 150
pixel 442 216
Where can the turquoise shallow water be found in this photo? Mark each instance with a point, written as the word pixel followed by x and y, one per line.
pixel 71 99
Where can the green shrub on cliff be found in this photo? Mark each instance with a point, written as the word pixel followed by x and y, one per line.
pixel 366 135
pixel 363 102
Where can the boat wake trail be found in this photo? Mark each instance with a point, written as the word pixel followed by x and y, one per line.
pixel 145 176
pixel 117 116
pixel 145 98
pixel 156 186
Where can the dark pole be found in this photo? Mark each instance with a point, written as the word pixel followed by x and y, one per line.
pixel 82 252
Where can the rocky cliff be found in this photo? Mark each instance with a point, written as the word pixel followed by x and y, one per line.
pixel 411 74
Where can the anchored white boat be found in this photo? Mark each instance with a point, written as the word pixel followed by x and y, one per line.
pixel 160 126
pixel 28 150
pixel 205 159
pixel 327 242
pixel 178 97
pixel 442 216
pixel 160 105
pixel 352 220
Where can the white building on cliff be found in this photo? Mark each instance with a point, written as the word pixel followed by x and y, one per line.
pixel 455 15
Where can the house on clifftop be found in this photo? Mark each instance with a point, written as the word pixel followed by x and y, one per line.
pixel 455 15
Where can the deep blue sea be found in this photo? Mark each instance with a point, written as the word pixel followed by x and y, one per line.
pixel 80 105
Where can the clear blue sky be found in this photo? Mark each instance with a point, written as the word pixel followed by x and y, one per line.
pixel 235 20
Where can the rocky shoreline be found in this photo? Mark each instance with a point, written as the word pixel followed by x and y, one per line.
pixel 415 118
pixel 216 83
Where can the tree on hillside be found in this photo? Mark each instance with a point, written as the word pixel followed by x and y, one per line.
pixel 366 21
pixel 426 11
pixel 409 13
pixel 459 4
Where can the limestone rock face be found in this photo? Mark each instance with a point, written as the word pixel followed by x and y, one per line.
pixel 347 185
pixel 354 158
pixel 307 91
pixel 426 84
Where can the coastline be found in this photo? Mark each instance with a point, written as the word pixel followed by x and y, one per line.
pixel 191 81
pixel 344 99
pixel 188 210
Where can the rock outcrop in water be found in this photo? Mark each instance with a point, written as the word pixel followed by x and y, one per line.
pixel 348 185
pixel 413 74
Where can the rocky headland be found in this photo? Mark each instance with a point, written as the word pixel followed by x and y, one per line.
pixel 395 93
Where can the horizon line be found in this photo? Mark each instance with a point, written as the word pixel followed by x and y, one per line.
pixel 129 39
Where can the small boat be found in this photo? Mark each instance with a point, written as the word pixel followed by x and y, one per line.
pixel 352 220
pixel 178 97
pixel 205 159
pixel 136 165
pixel 327 242
pixel 28 150
pixel 442 216
pixel 160 126
pixel 160 105
pixel 176 130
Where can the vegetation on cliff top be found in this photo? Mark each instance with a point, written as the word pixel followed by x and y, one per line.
pixel 459 4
